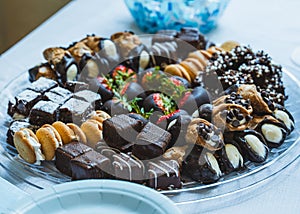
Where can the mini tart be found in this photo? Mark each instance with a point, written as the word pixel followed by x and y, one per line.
pixel 50 140
pixel 99 115
pixel 93 131
pixel 78 133
pixel 231 117
pixel 66 134
pixel 248 91
pixel 194 135
pixel 28 146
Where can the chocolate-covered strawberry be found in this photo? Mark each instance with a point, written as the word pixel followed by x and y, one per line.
pixel 178 129
pixel 202 166
pixel 150 79
pixel 159 102
pixel 114 107
pixel 132 90
pixel 192 100
pixel 102 86
pixel 165 120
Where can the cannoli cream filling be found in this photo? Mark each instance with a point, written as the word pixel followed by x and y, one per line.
pixel 36 146
pixel 234 156
pixel 110 49
pixel 211 160
pixel 71 73
pixel 272 133
pixel 281 115
pixel 256 145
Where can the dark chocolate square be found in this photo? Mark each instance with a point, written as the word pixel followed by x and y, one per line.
pixel 151 142
pixel 43 112
pixel 74 111
pixel 42 85
pixel 65 153
pixel 164 174
pixel 120 130
pixel 26 100
pixel 90 165
pixel 91 97
pixel 128 168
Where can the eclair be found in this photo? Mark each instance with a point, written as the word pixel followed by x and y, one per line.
pixel 50 140
pixel 28 146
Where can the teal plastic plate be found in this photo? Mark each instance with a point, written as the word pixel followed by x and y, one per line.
pixel 96 196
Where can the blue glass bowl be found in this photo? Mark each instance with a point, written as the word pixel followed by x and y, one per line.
pixel 154 15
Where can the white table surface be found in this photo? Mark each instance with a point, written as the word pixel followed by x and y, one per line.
pixel 272 25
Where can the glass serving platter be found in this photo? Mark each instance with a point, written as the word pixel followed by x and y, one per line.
pixel 193 195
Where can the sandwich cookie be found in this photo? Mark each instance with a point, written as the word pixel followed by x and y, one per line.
pixel 78 133
pixel 28 146
pixel 99 115
pixel 50 140
pixel 93 131
pixel 66 134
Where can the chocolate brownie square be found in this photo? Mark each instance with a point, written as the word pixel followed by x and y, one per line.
pixel 74 111
pixel 91 97
pixel 65 153
pixel 43 112
pixel 55 97
pixel 26 100
pixel 42 85
pixel 90 165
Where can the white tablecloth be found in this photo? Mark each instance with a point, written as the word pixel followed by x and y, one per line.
pixel 272 25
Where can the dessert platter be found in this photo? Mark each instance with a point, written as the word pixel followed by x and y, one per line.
pixel 172 111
